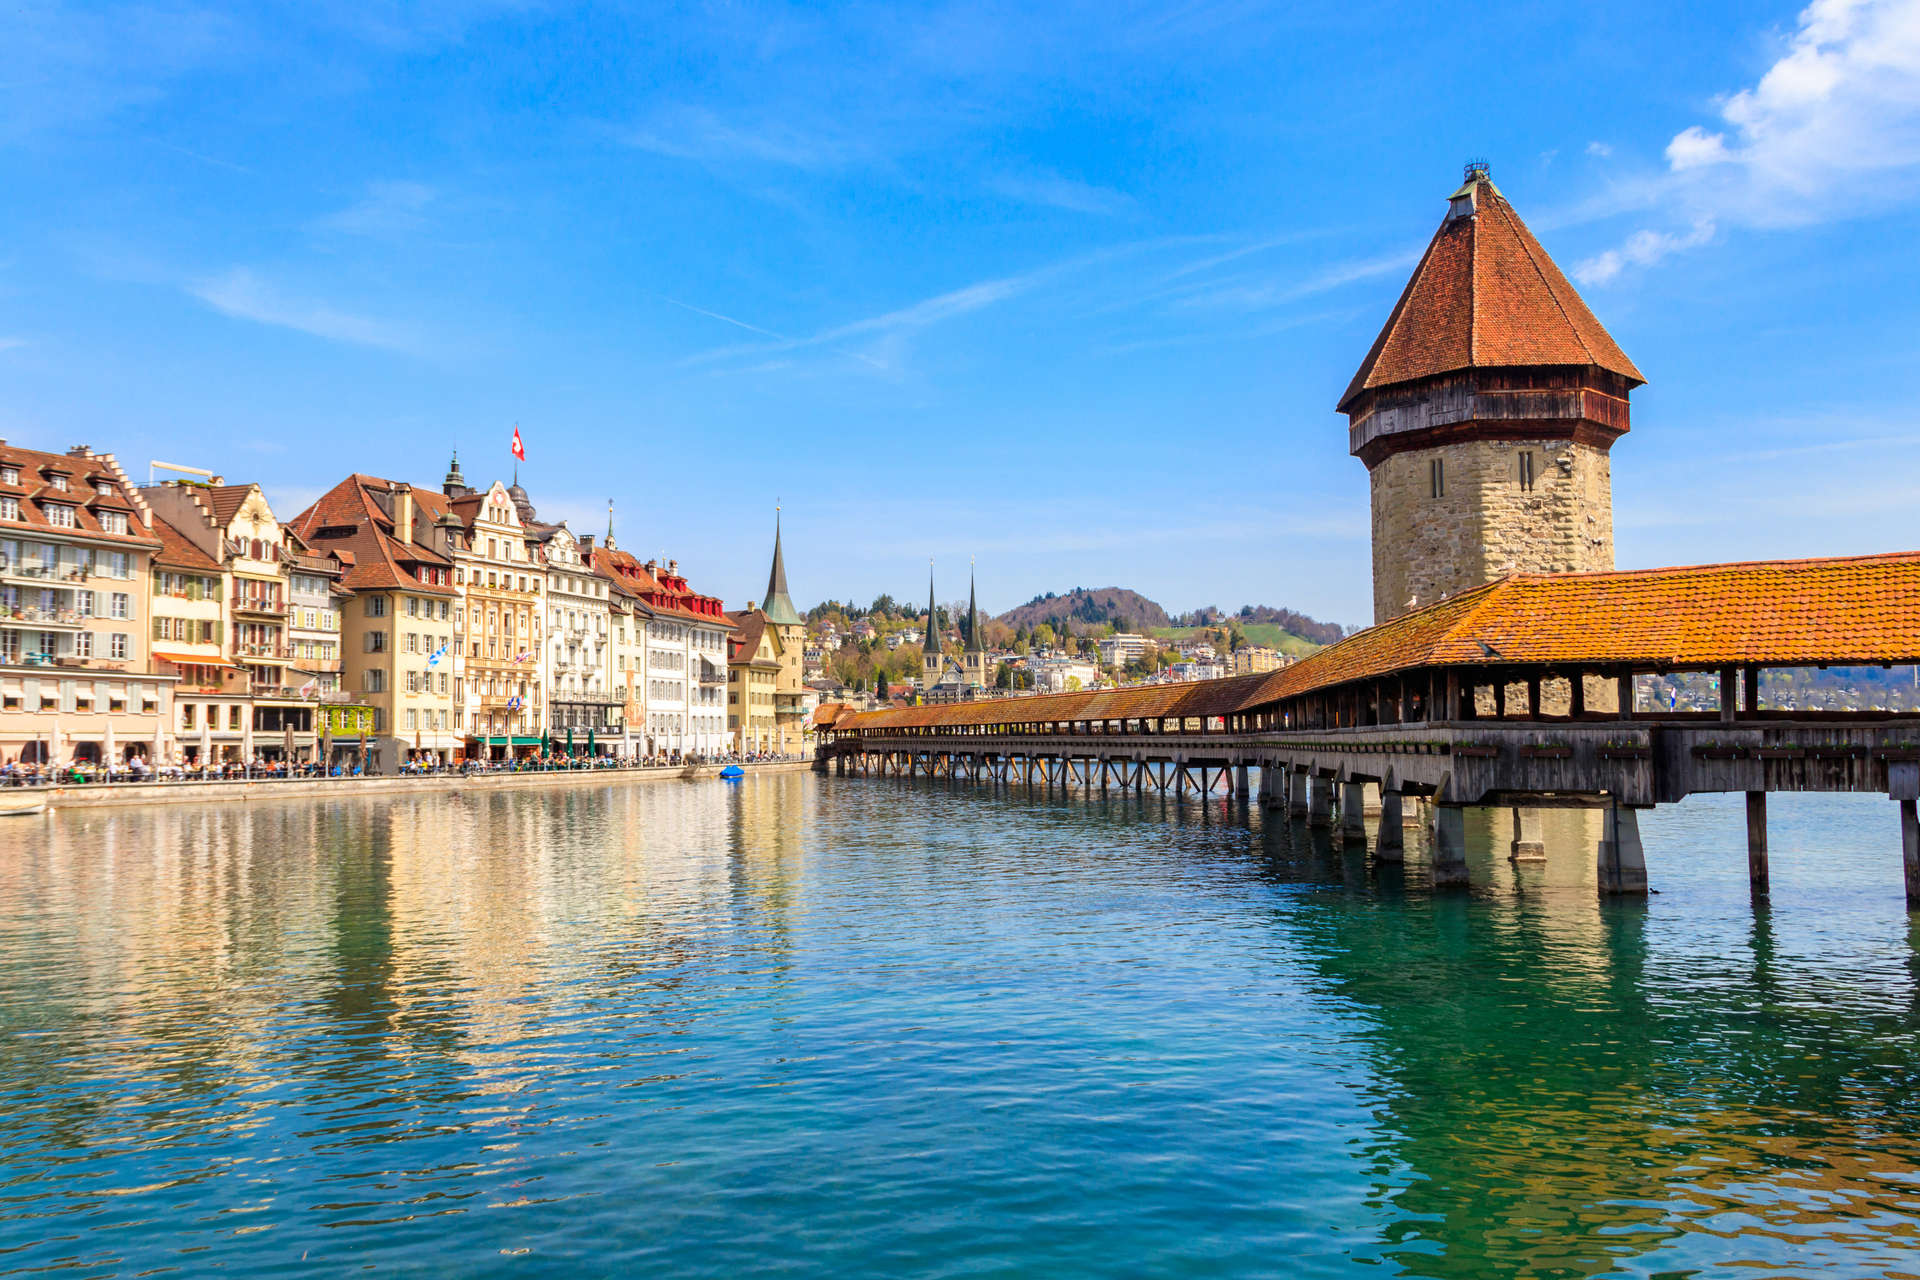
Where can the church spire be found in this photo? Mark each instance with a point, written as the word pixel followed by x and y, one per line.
pixel 973 615
pixel 610 545
pixel 932 646
pixel 778 606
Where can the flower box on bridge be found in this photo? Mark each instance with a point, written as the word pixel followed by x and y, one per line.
pixel 1779 753
pixel 1546 751
pixel 1716 751
pixel 1626 751
pixel 1476 750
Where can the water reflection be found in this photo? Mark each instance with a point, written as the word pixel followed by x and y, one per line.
pixel 886 1028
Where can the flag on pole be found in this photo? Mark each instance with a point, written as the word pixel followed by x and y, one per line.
pixel 519 450
pixel 433 659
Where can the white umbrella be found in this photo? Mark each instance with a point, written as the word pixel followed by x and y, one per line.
pixel 286 743
pixel 206 740
pixel 106 752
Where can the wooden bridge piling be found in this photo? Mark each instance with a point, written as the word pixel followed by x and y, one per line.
pixel 1757 843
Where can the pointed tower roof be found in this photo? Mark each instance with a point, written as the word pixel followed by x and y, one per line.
pixel 1485 295
pixel 973 617
pixel 931 643
pixel 778 606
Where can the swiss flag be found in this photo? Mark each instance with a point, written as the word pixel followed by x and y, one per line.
pixel 519 450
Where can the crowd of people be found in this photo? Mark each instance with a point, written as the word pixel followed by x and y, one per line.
pixel 136 769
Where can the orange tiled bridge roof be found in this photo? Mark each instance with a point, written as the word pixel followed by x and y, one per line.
pixel 1859 610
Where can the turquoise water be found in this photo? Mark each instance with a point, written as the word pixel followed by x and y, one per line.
pixel 839 1027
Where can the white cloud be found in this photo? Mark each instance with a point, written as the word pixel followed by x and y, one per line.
pixel 10 344
pixel 1830 131
pixel 245 296
pixel 1642 249
pixel 387 209
pixel 1599 149
pixel 1058 192
pixel 695 133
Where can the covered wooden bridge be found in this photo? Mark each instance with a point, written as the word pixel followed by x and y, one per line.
pixel 1519 693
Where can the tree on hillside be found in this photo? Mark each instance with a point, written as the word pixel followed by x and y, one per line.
pixel 880 688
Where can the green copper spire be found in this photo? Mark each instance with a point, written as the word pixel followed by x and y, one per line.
pixel 973 616
pixel 778 606
pixel 931 645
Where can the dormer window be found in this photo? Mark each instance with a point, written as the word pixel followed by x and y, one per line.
pixel 1460 205
pixel 59 482
pixel 9 475
pixel 104 489
pixel 59 515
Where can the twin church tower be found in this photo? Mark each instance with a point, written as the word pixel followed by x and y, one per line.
pixel 1484 413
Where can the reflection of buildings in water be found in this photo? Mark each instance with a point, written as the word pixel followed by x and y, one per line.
pixel 1556 1093
pixel 164 942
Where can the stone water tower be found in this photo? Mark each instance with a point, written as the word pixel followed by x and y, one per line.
pixel 1485 412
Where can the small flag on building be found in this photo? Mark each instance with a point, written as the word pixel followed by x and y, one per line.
pixel 434 659
pixel 519 450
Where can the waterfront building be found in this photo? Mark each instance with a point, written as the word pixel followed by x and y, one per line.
pixel 753 673
pixel 258 704
pixel 397 631
pixel 76 551
pixel 793 702
pixel 683 658
pixel 1062 674
pixel 211 697
pixel 316 602
pixel 582 707
pixel 1485 412
pixel 499 624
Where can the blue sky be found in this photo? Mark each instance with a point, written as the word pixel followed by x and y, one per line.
pixel 1068 288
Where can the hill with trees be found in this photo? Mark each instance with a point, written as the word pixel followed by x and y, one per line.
pixel 1083 610
pixel 1118 607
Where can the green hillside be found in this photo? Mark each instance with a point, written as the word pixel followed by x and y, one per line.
pixel 1261 633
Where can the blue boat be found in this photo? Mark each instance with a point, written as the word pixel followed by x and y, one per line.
pixel 733 773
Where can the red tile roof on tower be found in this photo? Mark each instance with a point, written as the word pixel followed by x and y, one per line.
pixel 1485 295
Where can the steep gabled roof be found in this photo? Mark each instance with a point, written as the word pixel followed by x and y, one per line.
pixel 778 605
pixel 360 531
pixel 177 552
pixel 1485 295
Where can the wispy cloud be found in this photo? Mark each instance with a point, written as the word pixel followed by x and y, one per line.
pixel 245 296
pixel 1058 192
pixel 1599 150
pixel 1830 131
pixel 1641 249
pixel 1259 294
pixel 701 135
pixel 387 209
pixel 12 344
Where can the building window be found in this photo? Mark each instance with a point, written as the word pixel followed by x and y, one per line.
pixel 122 605
pixel 376 642
pixel 113 522
pixel 376 606
pixel 233 717
pixel 60 483
pixel 9 508
pixel 376 681
pixel 1526 469
pixel 59 515
pixel 117 645
pixel 1437 477
pixel 83 645
pixel 9 475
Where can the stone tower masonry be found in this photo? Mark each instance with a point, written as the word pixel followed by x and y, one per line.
pixel 1485 412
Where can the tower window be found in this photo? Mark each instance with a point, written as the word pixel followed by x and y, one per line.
pixel 1526 470
pixel 1437 477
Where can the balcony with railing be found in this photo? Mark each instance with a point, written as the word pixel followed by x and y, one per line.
pixel 37 617
pixel 41 573
pixel 263 605
pixel 261 651
pixel 288 693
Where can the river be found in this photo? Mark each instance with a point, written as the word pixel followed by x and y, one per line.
pixel 843 1027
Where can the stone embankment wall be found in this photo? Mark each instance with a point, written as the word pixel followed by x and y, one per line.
pixel 133 793
pixel 1486 525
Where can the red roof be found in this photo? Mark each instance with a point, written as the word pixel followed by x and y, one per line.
pixel 662 590
pixel 177 552
pixel 1485 295
pixel 350 522
pixel 35 493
